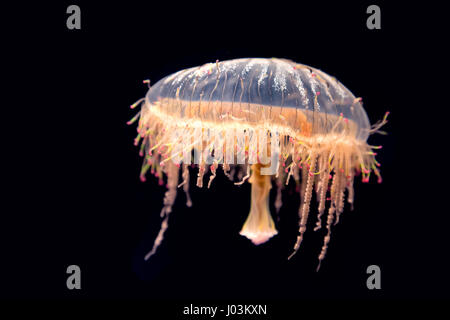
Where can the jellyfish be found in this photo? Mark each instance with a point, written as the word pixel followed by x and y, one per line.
pixel 261 121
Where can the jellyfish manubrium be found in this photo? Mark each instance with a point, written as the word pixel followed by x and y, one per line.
pixel 261 121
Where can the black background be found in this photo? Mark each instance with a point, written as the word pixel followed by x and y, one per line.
pixel 73 193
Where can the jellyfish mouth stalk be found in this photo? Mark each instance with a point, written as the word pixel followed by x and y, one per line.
pixel 259 226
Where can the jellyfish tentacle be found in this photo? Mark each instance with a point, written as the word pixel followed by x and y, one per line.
pixel 290 172
pixel 350 190
pixel 201 172
pixel 185 185
pixel 247 175
pixel 322 196
pixel 303 186
pixel 340 191
pixel 306 205
pixel 327 238
pixel 213 173
pixel 159 238
pixel 137 103
pixel 169 199
pixel 376 127
pixel 278 200
pixel 340 198
pixel 226 170
pixel 330 219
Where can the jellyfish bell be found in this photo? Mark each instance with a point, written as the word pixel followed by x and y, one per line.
pixel 259 120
